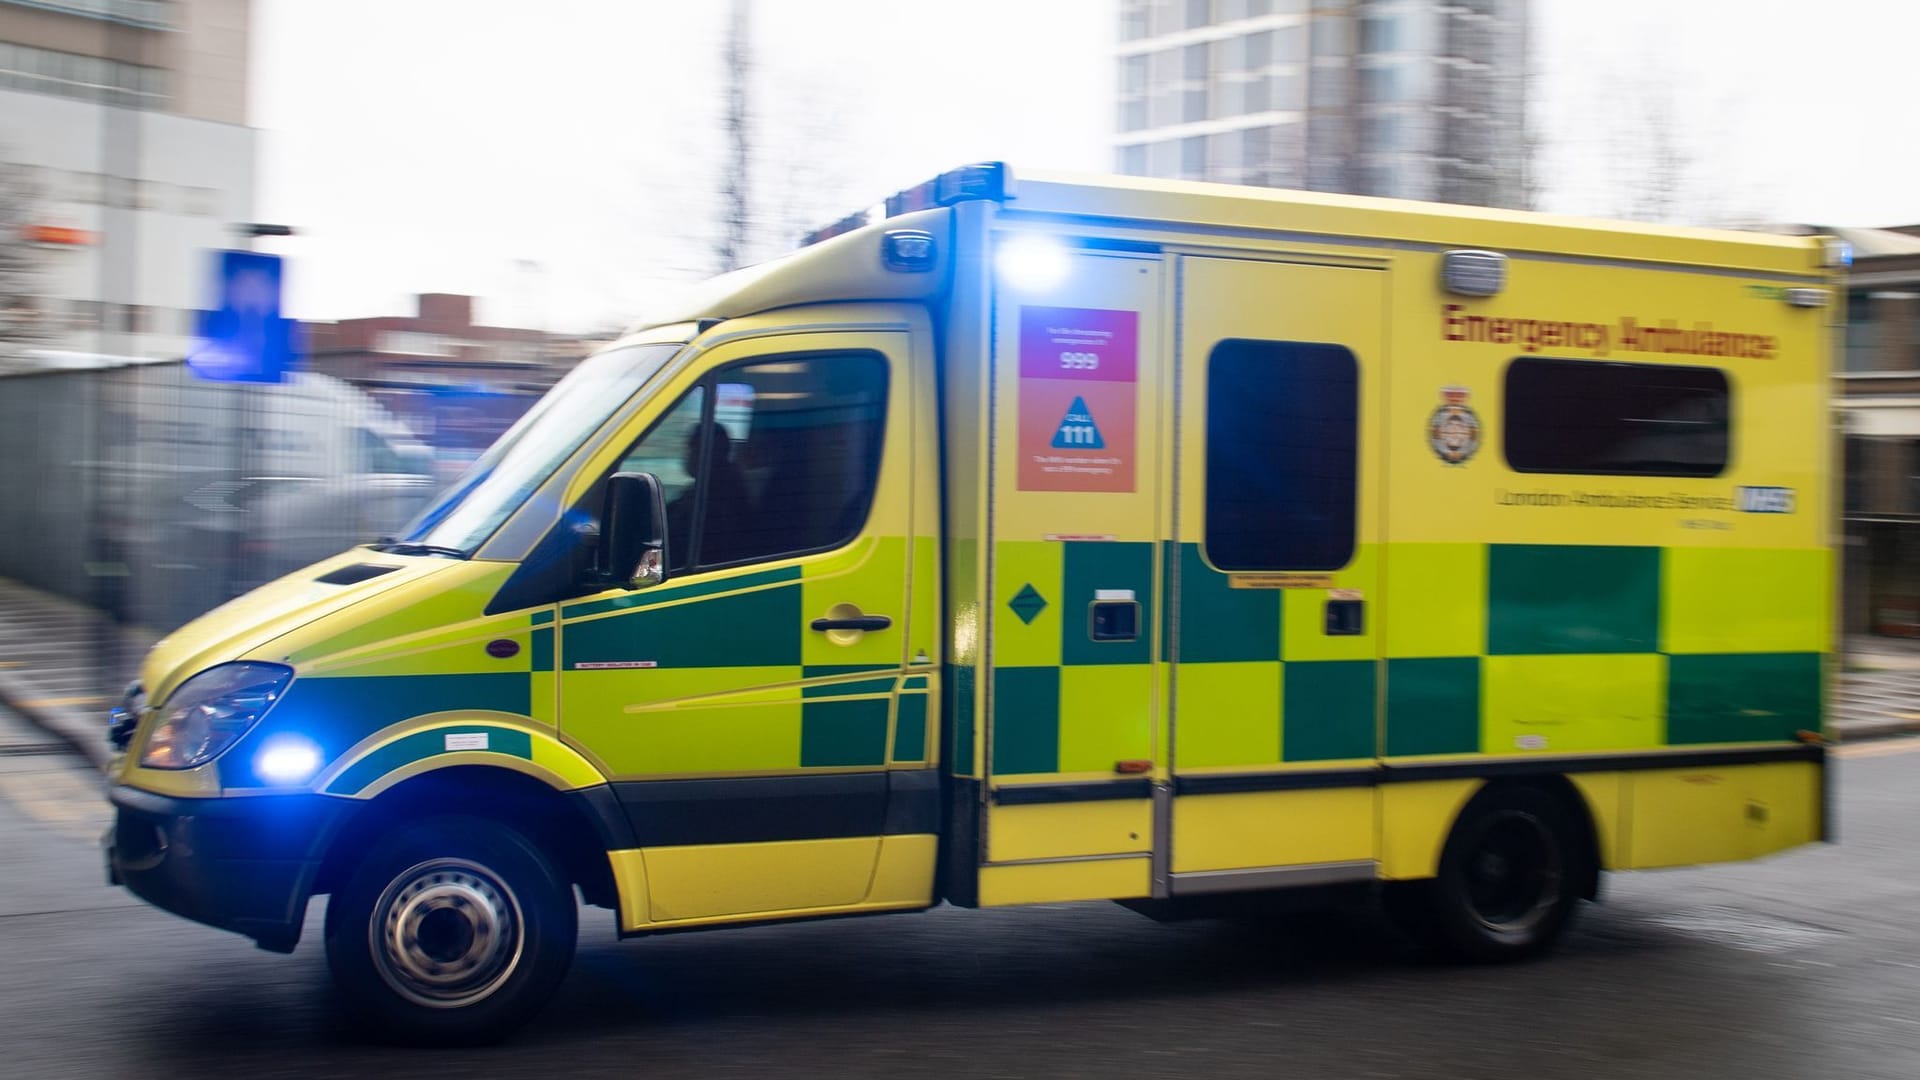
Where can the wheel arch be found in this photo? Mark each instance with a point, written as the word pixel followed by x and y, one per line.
pixel 575 829
pixel 439 740
pixel 1580 812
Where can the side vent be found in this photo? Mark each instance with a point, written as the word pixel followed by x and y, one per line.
pixel 350 575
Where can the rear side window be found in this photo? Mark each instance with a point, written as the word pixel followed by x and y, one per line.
pixel 1283 433
pixel 1616 419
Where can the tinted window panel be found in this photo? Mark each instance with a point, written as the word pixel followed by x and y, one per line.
pixel 768 459
pixel 1282 455
pixel 1616 419
pixel 665 452
pixel 802 442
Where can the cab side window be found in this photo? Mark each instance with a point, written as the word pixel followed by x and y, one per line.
pixel 768 459
pixel 663 451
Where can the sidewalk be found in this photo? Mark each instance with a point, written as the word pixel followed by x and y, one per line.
pixel 62 667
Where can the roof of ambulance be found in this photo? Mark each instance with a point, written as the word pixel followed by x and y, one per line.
pixel 848 266
pixel 1361 217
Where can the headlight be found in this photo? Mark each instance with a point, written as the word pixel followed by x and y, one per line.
pixel 210 711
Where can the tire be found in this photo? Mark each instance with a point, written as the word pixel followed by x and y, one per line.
pixel 452 930
pixel 1508 881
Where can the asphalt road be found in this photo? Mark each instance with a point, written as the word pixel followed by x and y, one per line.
pixel 1804 965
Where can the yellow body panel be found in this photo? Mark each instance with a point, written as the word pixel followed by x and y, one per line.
pixel 902 879
pixel 1605 795
pixel 1273 828
pixel 1438 595
pixel 630 880
pixel 1562 704
pixel 904 875
pixel 1687 816
pixel 1779 416
pixel 1053 830
pixel 1741 600
pixel 703 880
pixel 1230 714
pixel 1414 821
pixel 1062 882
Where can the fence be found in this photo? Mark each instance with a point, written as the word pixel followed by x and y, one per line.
pixel 153 495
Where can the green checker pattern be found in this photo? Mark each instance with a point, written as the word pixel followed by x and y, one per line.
pixel 739 647
pixel 1572 648
pixel 1592 647
pixel 1062 701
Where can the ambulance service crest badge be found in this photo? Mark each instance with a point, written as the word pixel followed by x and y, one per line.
pixel 1454 430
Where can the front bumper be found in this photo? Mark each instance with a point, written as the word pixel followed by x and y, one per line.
pixel 243 864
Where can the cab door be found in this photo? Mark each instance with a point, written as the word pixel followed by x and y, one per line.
pixel 746 706
pixel 1276 572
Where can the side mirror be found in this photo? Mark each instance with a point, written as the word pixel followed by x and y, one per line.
pixel 633 532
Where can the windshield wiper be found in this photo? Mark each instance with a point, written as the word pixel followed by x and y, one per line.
pixel 393 547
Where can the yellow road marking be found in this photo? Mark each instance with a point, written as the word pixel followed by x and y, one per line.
pixel 1879 748
pixel 57 702
pixel 63 801
pixel 12 663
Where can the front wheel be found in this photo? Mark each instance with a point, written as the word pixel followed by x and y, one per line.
pixel 451 930
pixel 1507 882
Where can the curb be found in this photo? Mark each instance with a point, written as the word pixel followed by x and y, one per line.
pixel 14 695
pixel 1888 728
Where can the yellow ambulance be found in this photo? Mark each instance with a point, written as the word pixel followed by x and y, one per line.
pixel 1049 540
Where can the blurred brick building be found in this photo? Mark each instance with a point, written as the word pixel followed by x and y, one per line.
pixel 438 345
pixel 457 383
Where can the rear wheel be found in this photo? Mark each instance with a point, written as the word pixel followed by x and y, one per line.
pixel 451 930
pixel 1507 884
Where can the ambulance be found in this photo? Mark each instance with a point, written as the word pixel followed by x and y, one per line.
pixel 1050 539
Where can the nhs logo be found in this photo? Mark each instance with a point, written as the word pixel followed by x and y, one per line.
pixel 1765 500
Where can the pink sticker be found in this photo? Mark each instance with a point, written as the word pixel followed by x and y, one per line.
pixel 1078 370
pixel 1079 343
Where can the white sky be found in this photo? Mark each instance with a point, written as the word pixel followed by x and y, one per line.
pixel 558 159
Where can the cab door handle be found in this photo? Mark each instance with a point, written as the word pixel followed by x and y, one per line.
pixel 858 622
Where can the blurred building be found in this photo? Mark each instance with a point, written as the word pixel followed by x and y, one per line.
pixel 1418 99
pixel 125 122
pixel 456 383
pixel 1878 399
pixel 438 345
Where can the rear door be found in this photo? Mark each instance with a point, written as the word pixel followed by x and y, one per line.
pixel 1276 573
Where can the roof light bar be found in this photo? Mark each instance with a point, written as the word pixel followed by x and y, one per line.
pixel 986 180
pixel 857 220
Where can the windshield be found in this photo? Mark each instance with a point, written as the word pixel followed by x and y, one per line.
pixel 464 515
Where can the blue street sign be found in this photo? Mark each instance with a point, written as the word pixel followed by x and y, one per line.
pixel 245 339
